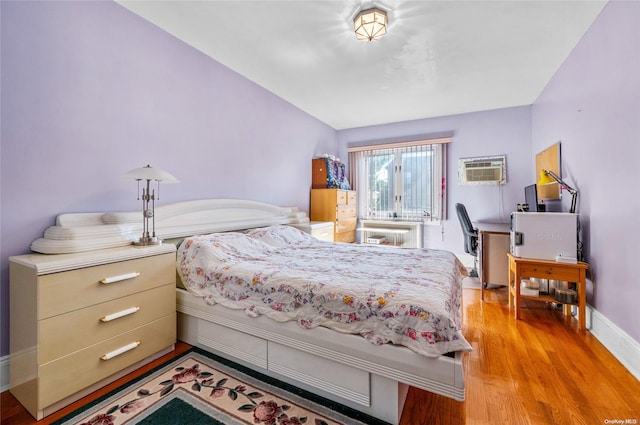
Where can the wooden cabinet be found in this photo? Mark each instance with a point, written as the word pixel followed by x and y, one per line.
pixel 319 173
pixel 339 207
pixel 79 321
pixel 327 173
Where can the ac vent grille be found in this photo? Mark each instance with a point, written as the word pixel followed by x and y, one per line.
pixel 485 170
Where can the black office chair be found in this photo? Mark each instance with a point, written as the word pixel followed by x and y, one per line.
pixel 470 237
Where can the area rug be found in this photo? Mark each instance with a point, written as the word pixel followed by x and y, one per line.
pixel 201 388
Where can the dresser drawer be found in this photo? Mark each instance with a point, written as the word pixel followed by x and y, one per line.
pixel 346 224
pixel 346 236
pixel 341 197
pixel 345 212
pixel 72 373
pixel 351 198
pixel 75 289
pixel 56 340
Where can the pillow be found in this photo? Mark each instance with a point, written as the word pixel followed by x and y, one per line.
pixel 281 235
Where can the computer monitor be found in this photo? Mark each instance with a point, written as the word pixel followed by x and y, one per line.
pixel 531 198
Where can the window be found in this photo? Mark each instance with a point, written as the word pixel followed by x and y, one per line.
pixel 405 181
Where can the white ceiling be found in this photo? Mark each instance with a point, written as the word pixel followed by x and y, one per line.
pixel 438 58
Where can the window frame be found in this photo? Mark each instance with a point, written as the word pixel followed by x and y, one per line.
pixel 359 177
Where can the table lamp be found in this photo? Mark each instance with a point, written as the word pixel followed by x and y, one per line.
pixel 548 177
pixel 148 174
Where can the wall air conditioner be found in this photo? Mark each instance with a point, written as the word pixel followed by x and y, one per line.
pixel 483 170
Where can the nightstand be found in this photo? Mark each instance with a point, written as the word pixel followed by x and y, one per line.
pixel 79 321
pixel 546 269
pixel 322 230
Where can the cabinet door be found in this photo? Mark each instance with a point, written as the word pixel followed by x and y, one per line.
pixel 319 173
pixel 493 258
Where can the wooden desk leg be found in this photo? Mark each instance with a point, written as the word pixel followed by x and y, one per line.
pixel 582 300
pixel 481 260
pixel 516 282
pixel 510 282
pixel 481 282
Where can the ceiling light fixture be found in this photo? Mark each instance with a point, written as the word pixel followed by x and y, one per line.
pixel 370 24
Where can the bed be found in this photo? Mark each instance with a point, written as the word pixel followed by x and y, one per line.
pixel 362 346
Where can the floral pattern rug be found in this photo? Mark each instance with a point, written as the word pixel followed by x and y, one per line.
pixel 197 389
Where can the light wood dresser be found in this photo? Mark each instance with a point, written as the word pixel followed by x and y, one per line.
pixel 79 321
pixel 339 207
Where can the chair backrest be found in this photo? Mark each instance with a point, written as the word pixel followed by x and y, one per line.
pixel 470 234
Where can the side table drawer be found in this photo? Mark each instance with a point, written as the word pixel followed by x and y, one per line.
pixel 75 289
pixel 72 373
pixel 57 340
pixel 545 271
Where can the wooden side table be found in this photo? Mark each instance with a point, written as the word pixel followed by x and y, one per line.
pixel 546 269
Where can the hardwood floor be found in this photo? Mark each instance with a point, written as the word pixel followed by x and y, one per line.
pixel 538 370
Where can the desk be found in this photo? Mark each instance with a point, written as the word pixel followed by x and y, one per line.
pixel 493 246
pixel 546 269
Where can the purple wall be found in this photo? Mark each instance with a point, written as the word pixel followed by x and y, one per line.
pixel 592 106
pixel 90 91
pixel 497 132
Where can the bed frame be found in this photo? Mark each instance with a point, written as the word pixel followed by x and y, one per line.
pixel 341 367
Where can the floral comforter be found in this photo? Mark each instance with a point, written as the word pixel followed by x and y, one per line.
pixel 401 296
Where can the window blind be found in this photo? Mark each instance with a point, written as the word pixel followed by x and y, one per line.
pixel 402 181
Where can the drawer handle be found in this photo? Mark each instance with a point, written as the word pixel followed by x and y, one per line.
pixel 114 316
pixel 113 279
pixel 120 350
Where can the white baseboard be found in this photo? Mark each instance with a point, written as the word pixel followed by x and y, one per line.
pixel 4 373
pixel 618 342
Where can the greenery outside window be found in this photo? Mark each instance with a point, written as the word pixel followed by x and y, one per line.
pixel 401 181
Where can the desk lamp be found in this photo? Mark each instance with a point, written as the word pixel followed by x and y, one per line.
pixel 548 177
pixel 149 173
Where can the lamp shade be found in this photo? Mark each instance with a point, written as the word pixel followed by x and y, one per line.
pixel 370 24
pixel 149 173
pixel 545 178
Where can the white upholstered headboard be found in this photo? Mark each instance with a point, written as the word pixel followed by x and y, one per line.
pixel 90 231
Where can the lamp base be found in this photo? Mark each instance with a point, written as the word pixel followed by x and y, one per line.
pixel 148 240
